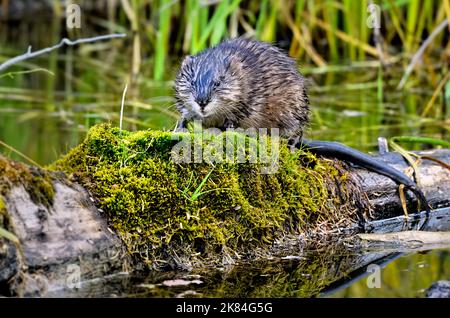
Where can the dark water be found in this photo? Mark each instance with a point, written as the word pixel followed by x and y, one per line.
pixel 313 274
pixel 44 115
pixel 344 269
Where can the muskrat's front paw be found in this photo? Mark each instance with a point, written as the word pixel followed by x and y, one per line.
pixel 294 143
pixel 228 125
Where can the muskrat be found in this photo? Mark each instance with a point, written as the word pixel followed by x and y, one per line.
pixel 244 83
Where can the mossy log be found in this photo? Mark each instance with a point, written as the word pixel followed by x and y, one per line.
pixel 96 218
pixel 60 233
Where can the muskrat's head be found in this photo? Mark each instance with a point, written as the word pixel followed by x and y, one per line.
pixel 209 86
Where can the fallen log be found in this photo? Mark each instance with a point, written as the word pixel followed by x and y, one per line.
pixel 58 243
pixel 408 238
pixel 65 235
pixel 383 192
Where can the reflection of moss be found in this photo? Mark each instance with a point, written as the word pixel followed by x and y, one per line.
pixel 151 201
pixel 289 278
pixel 307 276
pixel 283 279
pixel 304 277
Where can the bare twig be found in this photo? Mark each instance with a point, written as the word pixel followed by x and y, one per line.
pixel 65 41
pixel 439 162
pixel 420 51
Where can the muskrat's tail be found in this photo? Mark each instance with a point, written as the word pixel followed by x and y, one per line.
pixel 345 153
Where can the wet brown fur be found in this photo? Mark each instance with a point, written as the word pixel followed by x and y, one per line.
pixel 258 86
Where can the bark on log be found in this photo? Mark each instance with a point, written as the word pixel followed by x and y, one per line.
pixel 58 245
pixel 72 239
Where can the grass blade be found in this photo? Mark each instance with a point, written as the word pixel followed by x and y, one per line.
pixel 8 235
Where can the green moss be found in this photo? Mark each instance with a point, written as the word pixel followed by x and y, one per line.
pixel 2 206
pixel 182 213
pixel 37 182
pixel 2 212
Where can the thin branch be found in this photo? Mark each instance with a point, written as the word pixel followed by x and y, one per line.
pixel 420 51
pixel 65 41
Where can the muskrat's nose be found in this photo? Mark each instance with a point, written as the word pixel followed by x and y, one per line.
pixel 202 102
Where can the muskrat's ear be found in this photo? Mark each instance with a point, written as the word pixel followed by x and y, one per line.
pixel 188 59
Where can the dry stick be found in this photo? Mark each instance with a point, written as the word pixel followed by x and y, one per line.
pixel 439 162
pixel 65 41
pixel 122 106
pixel 401 192
pixel 420 51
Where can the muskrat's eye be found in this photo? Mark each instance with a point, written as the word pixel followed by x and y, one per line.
pixel 216 84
